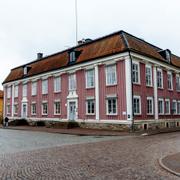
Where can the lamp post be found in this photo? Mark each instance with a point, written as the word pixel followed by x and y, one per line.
pixel 76 16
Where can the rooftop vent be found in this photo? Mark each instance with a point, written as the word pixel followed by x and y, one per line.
pixel 39 55
pixel 166 54
pixel 83 41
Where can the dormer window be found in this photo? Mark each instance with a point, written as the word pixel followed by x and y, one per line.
pixel 166 54
pixel 72 56
pixel 25 70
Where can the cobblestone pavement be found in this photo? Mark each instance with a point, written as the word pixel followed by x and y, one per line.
pixel 127 158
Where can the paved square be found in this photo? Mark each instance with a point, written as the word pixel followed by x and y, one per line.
pixel 37 155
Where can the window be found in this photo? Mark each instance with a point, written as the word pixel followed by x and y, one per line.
pixel 72 56
pixel 159 78
pixel 8 109
pixel 148 75
pixel 111 75
pixel 149 105
pixel 90 78
pixel 111 106
pixel 44 108
pixel 16 91
pixel 34 89
pixel 137 105
pixel 8 92
pixel 33 108
pixel 170 80
pixel 167 106
pixel 160 106
pixel 72 82
pixel 90 106
pixel 178 107
pixel 57 84
pixel 174 107
pixel 45 86
pixel 135 73
pixel 25 70
pixel 15 108
pixel 57 107
pixel 25 90
pixel 177 82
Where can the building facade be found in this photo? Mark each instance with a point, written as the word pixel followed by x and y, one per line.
pixel 117 80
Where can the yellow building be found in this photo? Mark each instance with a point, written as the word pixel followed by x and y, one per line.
pixel 1 106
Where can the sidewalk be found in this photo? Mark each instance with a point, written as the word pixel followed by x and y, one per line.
pixel 171 163
pixel 73 131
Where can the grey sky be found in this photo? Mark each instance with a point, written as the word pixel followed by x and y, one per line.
pixel 48 26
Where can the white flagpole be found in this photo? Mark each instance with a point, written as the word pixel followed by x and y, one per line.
pixel 76 16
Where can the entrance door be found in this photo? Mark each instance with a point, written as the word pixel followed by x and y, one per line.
pixel 72 110
pixel 24 110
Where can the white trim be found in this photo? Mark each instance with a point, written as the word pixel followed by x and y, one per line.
pixel 161 99
pixel 167 100
pixel 156 115
pixel 114 66
pixel 12 110
pixel 42 113
pixel 4 101
pixel 57 101
pixel 89 114
pixel 150 67
pixel 96 71
pixel 68 109
pixel 33 103
pixel 128 77
pixel 150 98
pixel 174 101
pixel 86 76
pixel 162 79
pixel 137 97
pixel 107 107
pixel 138 65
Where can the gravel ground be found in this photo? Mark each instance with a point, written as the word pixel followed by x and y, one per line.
pixel 121 159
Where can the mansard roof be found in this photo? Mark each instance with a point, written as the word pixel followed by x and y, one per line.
pixel 115 43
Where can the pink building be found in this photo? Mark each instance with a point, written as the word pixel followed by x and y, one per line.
pixel 115 81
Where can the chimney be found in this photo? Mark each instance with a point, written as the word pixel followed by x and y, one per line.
pixel 39 55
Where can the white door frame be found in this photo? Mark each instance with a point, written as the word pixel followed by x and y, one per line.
pixel 22 110
pixel 68 108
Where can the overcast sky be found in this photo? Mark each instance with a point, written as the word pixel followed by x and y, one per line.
pixel 48 26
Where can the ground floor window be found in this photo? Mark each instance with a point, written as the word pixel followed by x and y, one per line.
pixel 137 105
pixel 160 106
pixel 57 107
pixel 174 107
pixel 149 105
pixel 111 106
pixel 15 108
pixel 167 106
pixel 8 109
pixel 44 108
pixel 33 109
pixel 178 107
pixel 90 107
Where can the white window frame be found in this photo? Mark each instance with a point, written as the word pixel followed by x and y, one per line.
pixel 57 101
pixel 174 112
pixel 72 82
pixel 8 109
pixel 169 109
pixel 161 71
pixel 152 105
pixel 111 74
pixel 170 80
pixel 24 93
pixel 34 88
pixel 16 88
pixel 138 72
pixel 149 83
pixel 177 82
pixel 9 92
pixel 32 110
pixel 162 100
pixel 15 105
pixel 57 84
pixel 90 78
pixel 92 101
pixel 107 107
pixel 72 56
pixel 137 97
pixel 44 86
pixel 45 102
pixel 178 107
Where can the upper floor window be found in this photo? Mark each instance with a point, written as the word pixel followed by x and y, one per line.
pixel 8 92
pixel 16 91
pixel 177 82
pixel 137 105
pixel 90 78
pixel 111 78
pixel 160 106
pixel 167 106
pixel 57 84
pixel 159 78
pixel 148 75
pixel 149 105
pixel 34 89
pixel 45 86
pixel 174 107
pixel 111 106
pixel 25 90
pixel 135 72
pixel 72 82
pixel 170 80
